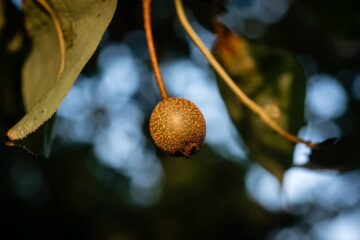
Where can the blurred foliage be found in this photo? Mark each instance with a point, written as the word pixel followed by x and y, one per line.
pixel 72 195
pixel 199 201
pixel 214 8
pixel 346 26
pixel 300 31
pixel 2 18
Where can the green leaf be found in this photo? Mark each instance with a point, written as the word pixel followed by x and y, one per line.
pixel 272 78
pixel 83 22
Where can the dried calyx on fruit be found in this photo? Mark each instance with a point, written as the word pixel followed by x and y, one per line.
pixel 177 127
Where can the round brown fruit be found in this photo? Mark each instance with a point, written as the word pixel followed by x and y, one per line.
pixel 177 127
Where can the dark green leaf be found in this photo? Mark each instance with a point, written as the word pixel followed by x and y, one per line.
pixel 339 154
pixel 272 78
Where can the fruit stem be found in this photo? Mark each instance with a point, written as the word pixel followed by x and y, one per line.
pixel 252 105
pixel 152 52
pixel 56 21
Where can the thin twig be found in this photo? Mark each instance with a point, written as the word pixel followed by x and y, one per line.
pixel 55 19
pixel 253 106
pixel 152 52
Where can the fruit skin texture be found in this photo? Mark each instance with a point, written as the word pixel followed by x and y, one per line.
pixel 177 127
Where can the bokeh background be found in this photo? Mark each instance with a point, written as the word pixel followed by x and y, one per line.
pixel 104 179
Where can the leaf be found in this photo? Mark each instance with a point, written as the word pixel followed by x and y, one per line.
pixel 340 154
pixel 39 142
pixel 83 23
pixel 274 80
